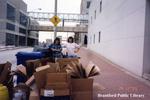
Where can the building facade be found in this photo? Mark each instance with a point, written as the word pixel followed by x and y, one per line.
pixel 14 23
pixel 84 9
pixel 33 36
pixel 119 30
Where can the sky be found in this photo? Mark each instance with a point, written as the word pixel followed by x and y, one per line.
pixel 64 6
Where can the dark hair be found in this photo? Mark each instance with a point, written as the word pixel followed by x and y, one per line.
pixel 57 39
pixel 70 38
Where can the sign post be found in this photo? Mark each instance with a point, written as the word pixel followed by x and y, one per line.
pixel 55 27
pixel 55 20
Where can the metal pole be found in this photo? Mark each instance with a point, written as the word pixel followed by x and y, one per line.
pixel 55 27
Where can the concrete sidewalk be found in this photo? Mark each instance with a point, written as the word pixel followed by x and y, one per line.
pixel 119 85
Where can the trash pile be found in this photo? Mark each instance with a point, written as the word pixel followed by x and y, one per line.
pixel 42 79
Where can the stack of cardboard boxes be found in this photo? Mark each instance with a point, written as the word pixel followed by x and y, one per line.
pixel 51 82
pixel 66 78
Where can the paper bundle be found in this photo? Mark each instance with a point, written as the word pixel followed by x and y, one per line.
pixel 76 70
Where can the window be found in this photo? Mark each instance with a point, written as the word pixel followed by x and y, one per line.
pixel 94 39
pixel 95 14
pixel 23 19
pixel 11 13
pixel 10 39
pixel 100 7
pixel 22 40
pixel 99 39
pixel 10 27
pixel 21 30
pixel 88 4
pixel 85 39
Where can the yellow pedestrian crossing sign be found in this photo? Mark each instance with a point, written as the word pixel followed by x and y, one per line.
pixel 55 20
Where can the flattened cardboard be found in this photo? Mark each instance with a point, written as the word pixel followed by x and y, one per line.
pixel 54 67
pixel 89 68
pixel 64 61
pixel 30 81
pixel 22 69
pixel 4 74
pixel 92 70
pixel 42 68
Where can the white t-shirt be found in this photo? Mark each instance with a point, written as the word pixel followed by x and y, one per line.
pixel 71 48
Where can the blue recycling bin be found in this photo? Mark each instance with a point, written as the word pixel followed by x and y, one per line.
pixel 22 57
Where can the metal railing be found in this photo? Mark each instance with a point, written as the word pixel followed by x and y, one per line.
pixel 67 17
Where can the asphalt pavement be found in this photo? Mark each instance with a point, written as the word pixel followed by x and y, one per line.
pixel 9 55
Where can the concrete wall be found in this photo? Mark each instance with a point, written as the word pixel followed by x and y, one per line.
pixel 83 8
pixel 146 59
pixel 121 24
pixel 20 6
pixel 2 22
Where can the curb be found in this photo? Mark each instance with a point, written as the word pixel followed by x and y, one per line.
pixel 15 48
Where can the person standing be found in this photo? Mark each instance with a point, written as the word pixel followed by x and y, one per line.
pixel 56 49
pixel 72 48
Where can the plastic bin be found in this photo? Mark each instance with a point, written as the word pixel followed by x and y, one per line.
pixel 22 57
pixel 4 93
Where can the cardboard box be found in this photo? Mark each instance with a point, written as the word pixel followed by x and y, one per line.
pixel 64 92
pixel 57 77
pixel 40 76
pixel 62 85
pixel 42 79
pixel 79 85
pixel 82 89
pixel 54 67
pixel 57 81
pixel 67 59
